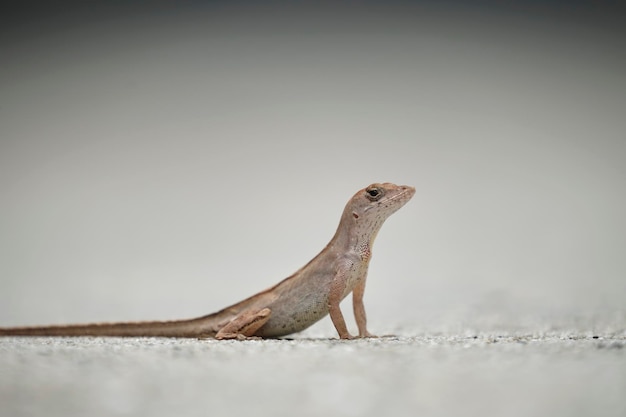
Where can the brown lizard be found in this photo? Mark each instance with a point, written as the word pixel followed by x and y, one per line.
pixel 293 304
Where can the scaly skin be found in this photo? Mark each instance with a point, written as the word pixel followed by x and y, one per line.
pixel 293 304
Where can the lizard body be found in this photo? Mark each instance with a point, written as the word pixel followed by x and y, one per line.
pixel 293 304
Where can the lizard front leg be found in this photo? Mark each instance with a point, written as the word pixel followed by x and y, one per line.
pixel 359 309
pixel 244 325
pixel 337 288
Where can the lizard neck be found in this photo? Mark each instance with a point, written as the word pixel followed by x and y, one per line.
pixel 356 235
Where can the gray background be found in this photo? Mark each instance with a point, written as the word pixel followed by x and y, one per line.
pixel 162 162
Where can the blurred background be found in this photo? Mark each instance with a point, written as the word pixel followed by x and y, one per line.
pixel 162 160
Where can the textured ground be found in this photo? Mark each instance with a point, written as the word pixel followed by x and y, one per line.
pixel 565 373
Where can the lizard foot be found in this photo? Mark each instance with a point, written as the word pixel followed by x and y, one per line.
pixel 236 336
pixel 244 325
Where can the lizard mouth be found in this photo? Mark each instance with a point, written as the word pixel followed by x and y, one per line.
pixel 403 195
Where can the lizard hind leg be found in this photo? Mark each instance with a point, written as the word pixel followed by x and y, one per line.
pixel 244 325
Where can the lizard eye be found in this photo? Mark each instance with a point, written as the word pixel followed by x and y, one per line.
pixel 373 194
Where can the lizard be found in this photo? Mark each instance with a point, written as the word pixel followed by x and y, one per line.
pixel 290 306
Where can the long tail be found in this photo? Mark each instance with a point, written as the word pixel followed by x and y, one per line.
pixel 200 327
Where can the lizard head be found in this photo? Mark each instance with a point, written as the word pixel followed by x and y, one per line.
pixel 371 206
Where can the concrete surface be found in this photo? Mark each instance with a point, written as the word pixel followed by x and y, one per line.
pixel 564 373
